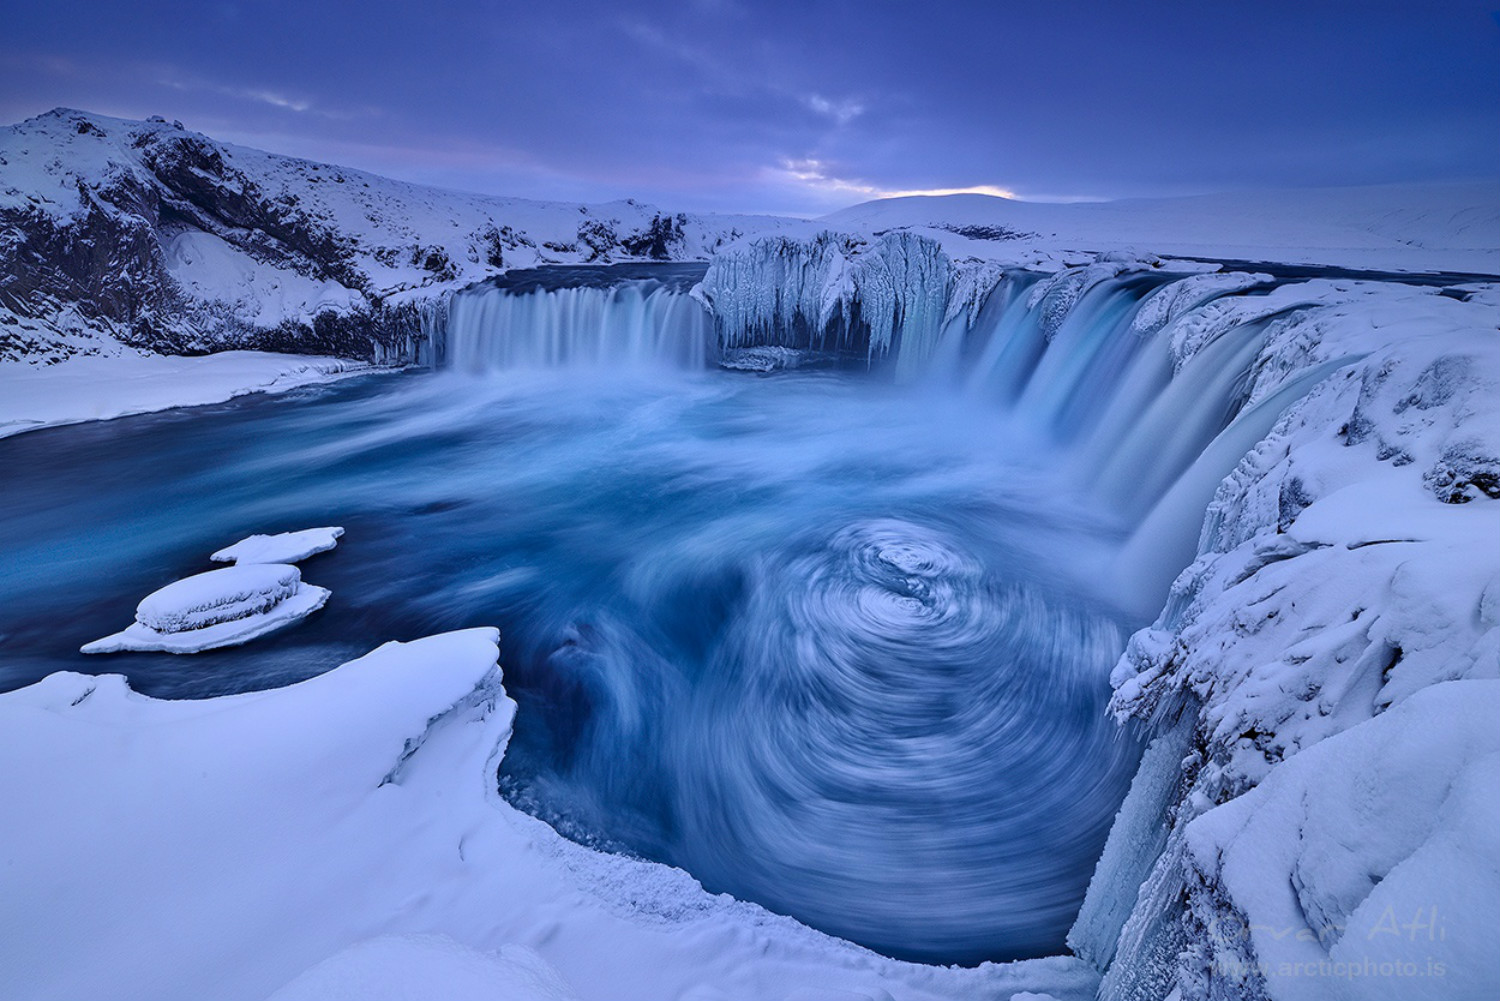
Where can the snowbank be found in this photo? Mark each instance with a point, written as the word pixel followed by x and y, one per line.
pixel 1365 867
pixel 346 830
pixel 284 547
pixel 88 388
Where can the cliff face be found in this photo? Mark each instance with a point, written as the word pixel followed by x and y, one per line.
pixel 1323 681
pixel 142 234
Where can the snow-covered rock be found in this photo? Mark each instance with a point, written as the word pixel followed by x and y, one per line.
pixel 347 830
pixel 217 596
pixel 284 547
pixel 1345 601
pixel 1173 301
pixel 217 609
pixel 1367 866
pixel 766 358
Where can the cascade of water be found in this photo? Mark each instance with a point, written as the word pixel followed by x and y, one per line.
pixel 1089 359
pixel 825 664
pixel 1013 341
pixel 1084 357
pixel 1159 547
pixel 634 324
pixel 1172 430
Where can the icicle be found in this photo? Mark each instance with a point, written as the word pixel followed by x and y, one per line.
pixel 833 292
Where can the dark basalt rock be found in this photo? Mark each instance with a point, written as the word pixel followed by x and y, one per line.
pixel 1465 473
pixel 107 267
pixel 201 190
pixel 659 240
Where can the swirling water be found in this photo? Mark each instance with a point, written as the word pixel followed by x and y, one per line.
pixel 828 645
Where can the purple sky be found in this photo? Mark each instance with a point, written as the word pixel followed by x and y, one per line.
pixel 800 106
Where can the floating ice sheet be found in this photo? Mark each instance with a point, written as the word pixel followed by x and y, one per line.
pixel 286 547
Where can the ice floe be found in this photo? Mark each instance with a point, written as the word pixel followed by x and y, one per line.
pixel 286 547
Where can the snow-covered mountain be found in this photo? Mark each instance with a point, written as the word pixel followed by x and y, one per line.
pixel 145 234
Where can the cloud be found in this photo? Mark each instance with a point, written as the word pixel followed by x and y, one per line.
pixel 259 95
pixel 843 112
pixel 274 99
pixel 815 174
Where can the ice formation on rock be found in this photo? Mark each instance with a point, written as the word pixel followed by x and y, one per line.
pixel 832 292
pixel 217 609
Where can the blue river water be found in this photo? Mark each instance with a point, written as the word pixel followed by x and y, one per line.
pixel 828 644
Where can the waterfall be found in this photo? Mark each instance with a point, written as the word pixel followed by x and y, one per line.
pixel 1134 377
pixel 812 661
pixel 634 324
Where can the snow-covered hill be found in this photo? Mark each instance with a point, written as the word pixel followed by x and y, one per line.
pixel 1433 227
pixel 142 234
pixel 120 234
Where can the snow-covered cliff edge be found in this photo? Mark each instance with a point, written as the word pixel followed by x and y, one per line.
pixel 360 808
pixel 1318 814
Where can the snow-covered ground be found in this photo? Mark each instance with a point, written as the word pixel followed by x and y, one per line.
pixel 344 837
pixel 1435 227
pixel 90 388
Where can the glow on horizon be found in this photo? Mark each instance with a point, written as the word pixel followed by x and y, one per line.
pixel 815 175
pixel 977 189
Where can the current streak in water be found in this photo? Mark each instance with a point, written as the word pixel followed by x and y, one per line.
pixel 829 644
pixel 818 641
